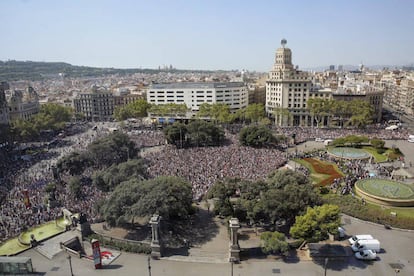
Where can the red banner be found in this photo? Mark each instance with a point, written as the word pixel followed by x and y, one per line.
pixel 97 260
pixel 26 199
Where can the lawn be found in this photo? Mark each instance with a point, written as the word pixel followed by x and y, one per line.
pixel 378 157
pixel 386 188
pixel 322 173
pixel 372 212
pixel 41 232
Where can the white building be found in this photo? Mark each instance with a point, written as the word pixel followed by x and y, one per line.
pixel 194 94
pixel 287 91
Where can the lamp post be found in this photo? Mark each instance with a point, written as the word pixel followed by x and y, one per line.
pixel 70 265
pixel 149 265
pixel 326 264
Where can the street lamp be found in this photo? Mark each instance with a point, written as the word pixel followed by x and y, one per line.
pixel 70 265
pixel 326 264
pixel 149 265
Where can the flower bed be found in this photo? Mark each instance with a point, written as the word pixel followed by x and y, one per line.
pixel 324 168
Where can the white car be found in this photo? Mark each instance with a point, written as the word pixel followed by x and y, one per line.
pixel 319 140
pixel 366 255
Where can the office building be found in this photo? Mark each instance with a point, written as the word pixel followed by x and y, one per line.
pixel 194 94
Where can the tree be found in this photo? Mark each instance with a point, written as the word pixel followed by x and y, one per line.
pixel 218 112
pixel 319 109
pixel 280 198
pixel 176 134
pixel 202 133
pixel 56 115
pixel 274 243
pixel 24 130
pixel 254 112
pixel 257 136
pixel 74 163
pixel 50 117
pixel 362 113
pixel 135 109
pixel 171 109
pixel 316 223
pixel 282 115
pixel 106 180
pixel 112 149
pixel 377 143
pixel 288 194
pixel 170 197
pixel 75 187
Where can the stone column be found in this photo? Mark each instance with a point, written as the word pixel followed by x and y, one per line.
pixel 155 242
pixel 234 243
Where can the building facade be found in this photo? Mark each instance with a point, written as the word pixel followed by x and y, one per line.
pixel 96 105
pixel 372 95
pixel 287 91
pixel 194 94
pixel 23 104
pixel 4 110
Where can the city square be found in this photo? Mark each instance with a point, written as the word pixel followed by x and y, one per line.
pixel 206 138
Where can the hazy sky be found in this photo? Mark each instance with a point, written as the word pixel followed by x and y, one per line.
pixel 209 34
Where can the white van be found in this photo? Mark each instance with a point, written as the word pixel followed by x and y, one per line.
pixel 367 245
pixel 411 138
pixel 328 142
pixel 352 240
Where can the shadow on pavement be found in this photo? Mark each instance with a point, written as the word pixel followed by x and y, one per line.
pixel 195 231
pixel 292 258
pixel 111 266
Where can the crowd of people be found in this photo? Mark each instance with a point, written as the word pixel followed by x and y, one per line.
pixel 32 174
pixel 204 166
pixel 303 134
pixel 201 166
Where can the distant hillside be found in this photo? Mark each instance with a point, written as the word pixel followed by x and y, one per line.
pixel 34 70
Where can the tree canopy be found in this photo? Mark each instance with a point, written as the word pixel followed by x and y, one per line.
pixel 135 109
pixel 112 149
pixel 107 179
pixel 196 133
pixel 170 197
pixel 50 117
pixel 316 223
pixel 282 196
pixel 274 243
pixel 257 136
pixel 171 109
pixel 357 113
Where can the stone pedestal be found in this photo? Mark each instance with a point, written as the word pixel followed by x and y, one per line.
pixel 155 241
pixel 234 250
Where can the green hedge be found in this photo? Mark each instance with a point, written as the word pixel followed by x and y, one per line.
pixel 352 206
pixel 121 245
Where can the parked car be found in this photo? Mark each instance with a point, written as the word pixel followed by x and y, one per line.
pixel 367 244
pixel 366 255
pixel 356 238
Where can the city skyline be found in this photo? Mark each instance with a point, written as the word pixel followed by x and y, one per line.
pixel 208 35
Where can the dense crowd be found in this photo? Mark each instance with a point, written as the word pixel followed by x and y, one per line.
pixel 202 167
pixel 303 134
pixel 33 174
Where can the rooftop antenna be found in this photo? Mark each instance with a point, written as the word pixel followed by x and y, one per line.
pixel 283 42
